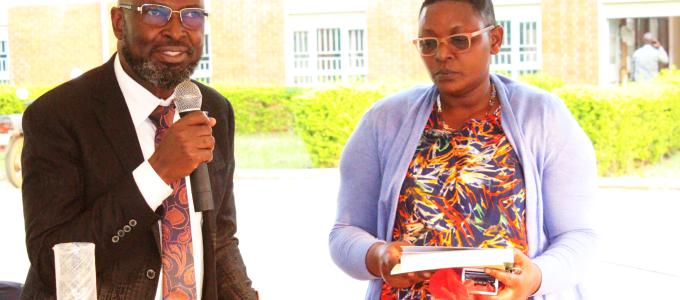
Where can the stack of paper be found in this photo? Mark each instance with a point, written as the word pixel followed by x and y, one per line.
pixel 422 258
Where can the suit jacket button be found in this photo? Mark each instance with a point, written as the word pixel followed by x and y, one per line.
pixel 127 228
pixel 133 222
pixel 121 233
pixel 151 274
pixel 115 239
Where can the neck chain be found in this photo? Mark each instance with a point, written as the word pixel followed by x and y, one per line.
pixel 491 99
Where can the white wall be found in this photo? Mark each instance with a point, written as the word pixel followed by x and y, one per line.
pixel 3 14
pixel 45 2
pixel 616 9
pixel 511 9
pixel 324 6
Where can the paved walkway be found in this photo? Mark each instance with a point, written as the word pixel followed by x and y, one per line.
pixel 284 217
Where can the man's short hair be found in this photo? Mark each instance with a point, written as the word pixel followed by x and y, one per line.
pixel 483 7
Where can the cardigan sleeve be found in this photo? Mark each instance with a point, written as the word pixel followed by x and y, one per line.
pixel 568 184
pixel 355 228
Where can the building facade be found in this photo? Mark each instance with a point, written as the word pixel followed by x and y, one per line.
pixel 307 43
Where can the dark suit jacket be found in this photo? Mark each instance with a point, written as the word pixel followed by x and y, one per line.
pixel 80 149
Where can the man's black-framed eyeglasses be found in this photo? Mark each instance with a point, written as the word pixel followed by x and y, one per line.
pixel 158 15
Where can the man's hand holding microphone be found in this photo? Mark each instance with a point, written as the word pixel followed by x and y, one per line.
pixel 186 144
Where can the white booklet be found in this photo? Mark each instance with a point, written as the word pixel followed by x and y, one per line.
pixel 423 258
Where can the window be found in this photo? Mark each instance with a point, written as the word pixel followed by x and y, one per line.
pixel 504 57
pixel 329 55
pixel 301 57
pixel 520 52
pixel 203 71
pixel 357 55
pixel 326 54
pixel 4 56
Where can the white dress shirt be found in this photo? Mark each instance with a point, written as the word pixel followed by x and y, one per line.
pixel 646 61
pixel 141 103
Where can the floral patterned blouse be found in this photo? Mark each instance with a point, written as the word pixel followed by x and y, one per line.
pixel 464 188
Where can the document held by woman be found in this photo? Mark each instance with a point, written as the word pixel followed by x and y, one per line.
pixel 422 258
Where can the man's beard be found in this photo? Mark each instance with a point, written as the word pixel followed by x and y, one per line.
pixel 158 74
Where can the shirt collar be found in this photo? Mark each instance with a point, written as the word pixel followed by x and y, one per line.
pixel 140 101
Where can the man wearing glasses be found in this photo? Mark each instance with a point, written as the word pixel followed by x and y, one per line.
pixel 105 160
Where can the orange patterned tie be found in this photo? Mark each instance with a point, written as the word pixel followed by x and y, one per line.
pixel 179 280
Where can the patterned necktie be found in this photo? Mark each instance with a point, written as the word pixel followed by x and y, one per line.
pixel 179 280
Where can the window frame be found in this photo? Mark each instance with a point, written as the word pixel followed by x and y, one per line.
pixel 353 62
pixel 511 51
pixel 4 55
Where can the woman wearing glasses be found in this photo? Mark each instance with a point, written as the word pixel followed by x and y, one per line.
pixel 476 160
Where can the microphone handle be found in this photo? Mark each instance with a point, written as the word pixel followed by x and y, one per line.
pixel 201 191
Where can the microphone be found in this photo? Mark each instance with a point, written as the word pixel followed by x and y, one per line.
pixel 188 99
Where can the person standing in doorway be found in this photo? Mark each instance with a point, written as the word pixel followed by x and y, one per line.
pixel 647 58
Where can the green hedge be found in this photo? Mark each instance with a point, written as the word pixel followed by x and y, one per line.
pixel 324 119
pixel 670 76
pixel 260 109
pixel 257 109
pixel 11 104
pixel 546 82
pixel 629 126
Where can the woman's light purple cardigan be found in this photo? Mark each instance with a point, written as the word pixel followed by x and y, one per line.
pixel 559 169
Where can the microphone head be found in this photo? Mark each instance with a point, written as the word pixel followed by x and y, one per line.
pixel 188 97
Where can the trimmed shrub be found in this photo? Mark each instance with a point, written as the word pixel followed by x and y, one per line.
pixel 256 109
pixel 324 119
pixel 629 126
pixel 260 109
pixel 543 81
pixel 670 76
pixel 11 104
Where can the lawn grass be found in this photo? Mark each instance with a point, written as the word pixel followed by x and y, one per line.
pixel 255 151
pixel 669 167
pixel 287 151
pixel 270 151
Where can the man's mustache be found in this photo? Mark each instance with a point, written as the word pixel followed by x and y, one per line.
pixel 176 44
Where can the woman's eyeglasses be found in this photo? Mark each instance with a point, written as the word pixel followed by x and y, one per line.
pixel 458 42
pixel 158 15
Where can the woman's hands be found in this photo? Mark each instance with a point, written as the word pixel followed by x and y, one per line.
pixel 382 257
pixel 517 286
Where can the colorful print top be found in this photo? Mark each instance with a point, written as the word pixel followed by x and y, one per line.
pixel 463 188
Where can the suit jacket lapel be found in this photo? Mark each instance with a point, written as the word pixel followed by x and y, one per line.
pixel 116 123
pixel 115 120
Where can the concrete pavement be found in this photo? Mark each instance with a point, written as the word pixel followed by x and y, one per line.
pixel 284 217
